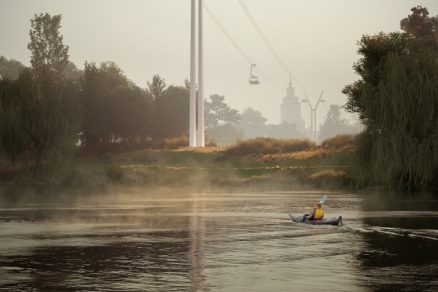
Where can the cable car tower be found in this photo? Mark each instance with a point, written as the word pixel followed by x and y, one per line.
pixel 197 133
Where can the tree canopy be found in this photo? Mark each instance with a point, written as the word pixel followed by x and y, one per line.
pixel 10 69
pixel 396 98
pixel 335 125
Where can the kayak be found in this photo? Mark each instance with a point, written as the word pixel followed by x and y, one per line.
pixel 332 221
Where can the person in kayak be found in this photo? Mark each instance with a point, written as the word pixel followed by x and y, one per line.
pixel 316 214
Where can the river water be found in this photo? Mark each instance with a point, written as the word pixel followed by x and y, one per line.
pixel 219 242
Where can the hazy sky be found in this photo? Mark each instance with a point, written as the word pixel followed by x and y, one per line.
pixel 315 38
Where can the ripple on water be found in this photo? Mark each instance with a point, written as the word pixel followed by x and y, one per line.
pixel 216 242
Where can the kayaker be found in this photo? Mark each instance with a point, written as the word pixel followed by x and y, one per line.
pixel 316 214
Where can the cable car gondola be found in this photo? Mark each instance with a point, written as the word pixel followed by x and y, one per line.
pixel 253 79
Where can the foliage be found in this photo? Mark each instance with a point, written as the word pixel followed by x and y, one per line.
pixel 171 113
pixel 175 143
pixel 115 109
pixel 157 87
pixel 71 72
pixel 40 113
pixel 267 146
pixel 340 141
pixel 10 69
pixel 396 99
pixel 46 44
pixel 217 112
pixel 335 125
pixel 420 25
pixel 252 123
pixel 220 119
pixel 225 134
pixel 43 132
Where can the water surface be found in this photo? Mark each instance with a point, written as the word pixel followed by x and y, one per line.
pixel 218 242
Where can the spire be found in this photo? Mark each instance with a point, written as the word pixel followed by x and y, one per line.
pixel 290 91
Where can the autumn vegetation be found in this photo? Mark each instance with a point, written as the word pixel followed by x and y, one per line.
pixel 61 125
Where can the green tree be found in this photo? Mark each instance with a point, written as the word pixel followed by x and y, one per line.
pixel 40 127
pixel 171 113
pixel 220 121
pixel 14 136
pixel 114 107
pixel 157 87
pixel 335 125
pixel 252 123
pixel 48 51
pixel 420 25
pixel 71 72
pixel 218 112
pixel 396 99
pixel 10 69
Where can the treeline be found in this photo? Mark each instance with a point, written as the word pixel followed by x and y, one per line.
pixel 50 109
pixel 396 98
pixel 225 125
pixel 53 108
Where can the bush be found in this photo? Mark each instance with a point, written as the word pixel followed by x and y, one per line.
pixel 175 143
pixel 114 173
pixel 267 146
pixel 340 141
pixel 211 143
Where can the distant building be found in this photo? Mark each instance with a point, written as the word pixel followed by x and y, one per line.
pixel 291 109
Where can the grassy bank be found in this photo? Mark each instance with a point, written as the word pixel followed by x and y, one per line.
pixel 259 164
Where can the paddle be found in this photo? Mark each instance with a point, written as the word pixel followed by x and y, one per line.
pixel 323 200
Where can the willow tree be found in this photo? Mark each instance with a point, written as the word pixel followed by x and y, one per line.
pixel 397 101
pixel 40 112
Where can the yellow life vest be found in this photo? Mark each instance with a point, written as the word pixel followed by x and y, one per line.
pixel 319 213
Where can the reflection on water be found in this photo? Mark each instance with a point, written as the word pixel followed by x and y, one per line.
pixel 219 242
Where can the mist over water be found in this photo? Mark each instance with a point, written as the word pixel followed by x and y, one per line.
pixel 218 242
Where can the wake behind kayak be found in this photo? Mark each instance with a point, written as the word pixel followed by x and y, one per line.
pixel 332 221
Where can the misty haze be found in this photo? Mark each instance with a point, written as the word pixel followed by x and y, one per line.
pixel 206 145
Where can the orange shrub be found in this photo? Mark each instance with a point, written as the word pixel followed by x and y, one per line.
pixel 175 143
pixel 263 145
pixel 340 141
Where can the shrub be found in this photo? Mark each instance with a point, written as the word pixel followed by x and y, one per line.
pixel 340 141
pixel 175 143
pixel 267 146
pixel 114 173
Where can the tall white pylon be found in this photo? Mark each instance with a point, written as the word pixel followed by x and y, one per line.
pixel 193 79
pixel 201 81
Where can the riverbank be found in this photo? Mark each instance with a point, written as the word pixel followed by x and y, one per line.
pixel 211 168
pixel 255 165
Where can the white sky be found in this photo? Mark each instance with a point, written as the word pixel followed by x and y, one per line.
pixel 315 38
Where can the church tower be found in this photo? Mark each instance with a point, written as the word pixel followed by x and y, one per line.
pixel 291 108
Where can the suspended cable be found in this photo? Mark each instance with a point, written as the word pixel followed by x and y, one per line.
pixel 268 44
pixel 262 35
pixel 229 37
pixel 236 45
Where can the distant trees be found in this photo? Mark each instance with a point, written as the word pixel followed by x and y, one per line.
pixel 220 121
pixel 335 125
pixel 10 69
pixel 156 87
pixel 219 113
pixel 252 123
pixel 114 108
pixel 397 101
pixel 51 109
pixel 171 113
